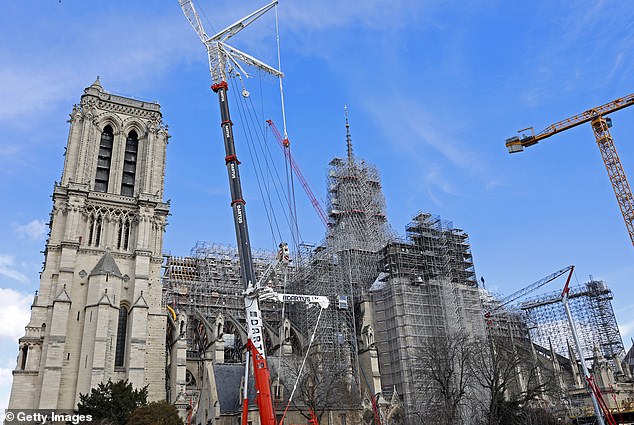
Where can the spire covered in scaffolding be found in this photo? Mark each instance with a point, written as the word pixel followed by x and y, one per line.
pixel 348 138
pixel 356 204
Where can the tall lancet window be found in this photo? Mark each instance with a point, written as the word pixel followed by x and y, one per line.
pixel 103 160
pixel 129 164
pixel 121 335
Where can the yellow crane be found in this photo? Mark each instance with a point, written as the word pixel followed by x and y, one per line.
pixel 600 125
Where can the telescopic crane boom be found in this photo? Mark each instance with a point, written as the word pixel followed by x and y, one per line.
pixel 223 62
pixel 600 126
pixel 532 287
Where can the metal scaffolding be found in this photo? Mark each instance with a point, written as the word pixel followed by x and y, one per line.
pixel 209 282
pixel 592 313
pixel 344 266
pixel 409 290
pixel 427 288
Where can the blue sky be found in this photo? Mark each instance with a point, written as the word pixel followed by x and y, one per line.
pixel 433 89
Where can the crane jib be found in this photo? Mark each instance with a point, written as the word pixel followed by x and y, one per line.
pixel 600 127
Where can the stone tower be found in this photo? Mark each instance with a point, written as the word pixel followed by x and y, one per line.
pixel 97 315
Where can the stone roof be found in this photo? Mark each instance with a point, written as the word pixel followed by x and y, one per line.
pixel 106 266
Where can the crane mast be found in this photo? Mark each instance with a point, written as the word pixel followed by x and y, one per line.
pixel 223 61
pixel 601 410
pixel 600 126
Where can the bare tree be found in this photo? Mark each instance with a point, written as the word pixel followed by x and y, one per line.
pixel 445 383
pixel 513 381
pixel 319 388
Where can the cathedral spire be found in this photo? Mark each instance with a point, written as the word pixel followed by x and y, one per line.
pixel 348 138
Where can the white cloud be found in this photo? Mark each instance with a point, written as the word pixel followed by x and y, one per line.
pixel 627 331
pixel 6 378
pixel 420 126
pixel 7 269
pixel 14 316
pixel 23 89
pixel 375 14
pixel 35 229
pixel 8 357
pixel 436 178
pixel 35 81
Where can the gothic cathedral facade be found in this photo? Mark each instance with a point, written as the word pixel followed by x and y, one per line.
pixel 97 314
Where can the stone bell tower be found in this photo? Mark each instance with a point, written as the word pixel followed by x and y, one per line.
pixel 97 314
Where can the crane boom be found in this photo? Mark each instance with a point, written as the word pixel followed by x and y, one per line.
pixel 284 144
pixel 600 127
pixel 218 51
pixel 524 291
pixel 223 59
pixel 533 287
pixel 516 144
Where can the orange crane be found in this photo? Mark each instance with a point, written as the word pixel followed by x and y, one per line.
pixel 285 145
pixel 600 126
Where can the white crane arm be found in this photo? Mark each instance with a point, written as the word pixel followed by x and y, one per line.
pixel 235 55
pixel 218 51
pixel 268 294
pixel 241 24
pixel 192 16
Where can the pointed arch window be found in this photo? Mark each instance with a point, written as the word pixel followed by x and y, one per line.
pixel 91 229
pixel 121 336
pixel 97 234
pixel 123 236
pixel 103 160
pixel 129 163
pixel 25 353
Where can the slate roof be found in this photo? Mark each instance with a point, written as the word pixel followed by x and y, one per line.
pixel 106 266
pixel 228 380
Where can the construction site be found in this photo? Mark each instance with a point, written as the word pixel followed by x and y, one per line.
pixel 369 325
pixel 376 320
pixel 368 308
pixel 391 297
pixel 592 313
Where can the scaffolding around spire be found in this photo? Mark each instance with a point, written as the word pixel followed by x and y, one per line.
pixel 348 138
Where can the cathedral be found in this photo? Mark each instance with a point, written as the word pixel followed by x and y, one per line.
pixel 97 314
pixel 112 306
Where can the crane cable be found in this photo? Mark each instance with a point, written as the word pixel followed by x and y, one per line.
pixel 263 165
pixel 301 369
pixel 287 155
pixel 255 160
pixel 271 170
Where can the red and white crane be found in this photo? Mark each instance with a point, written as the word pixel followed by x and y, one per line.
pixel 226 61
